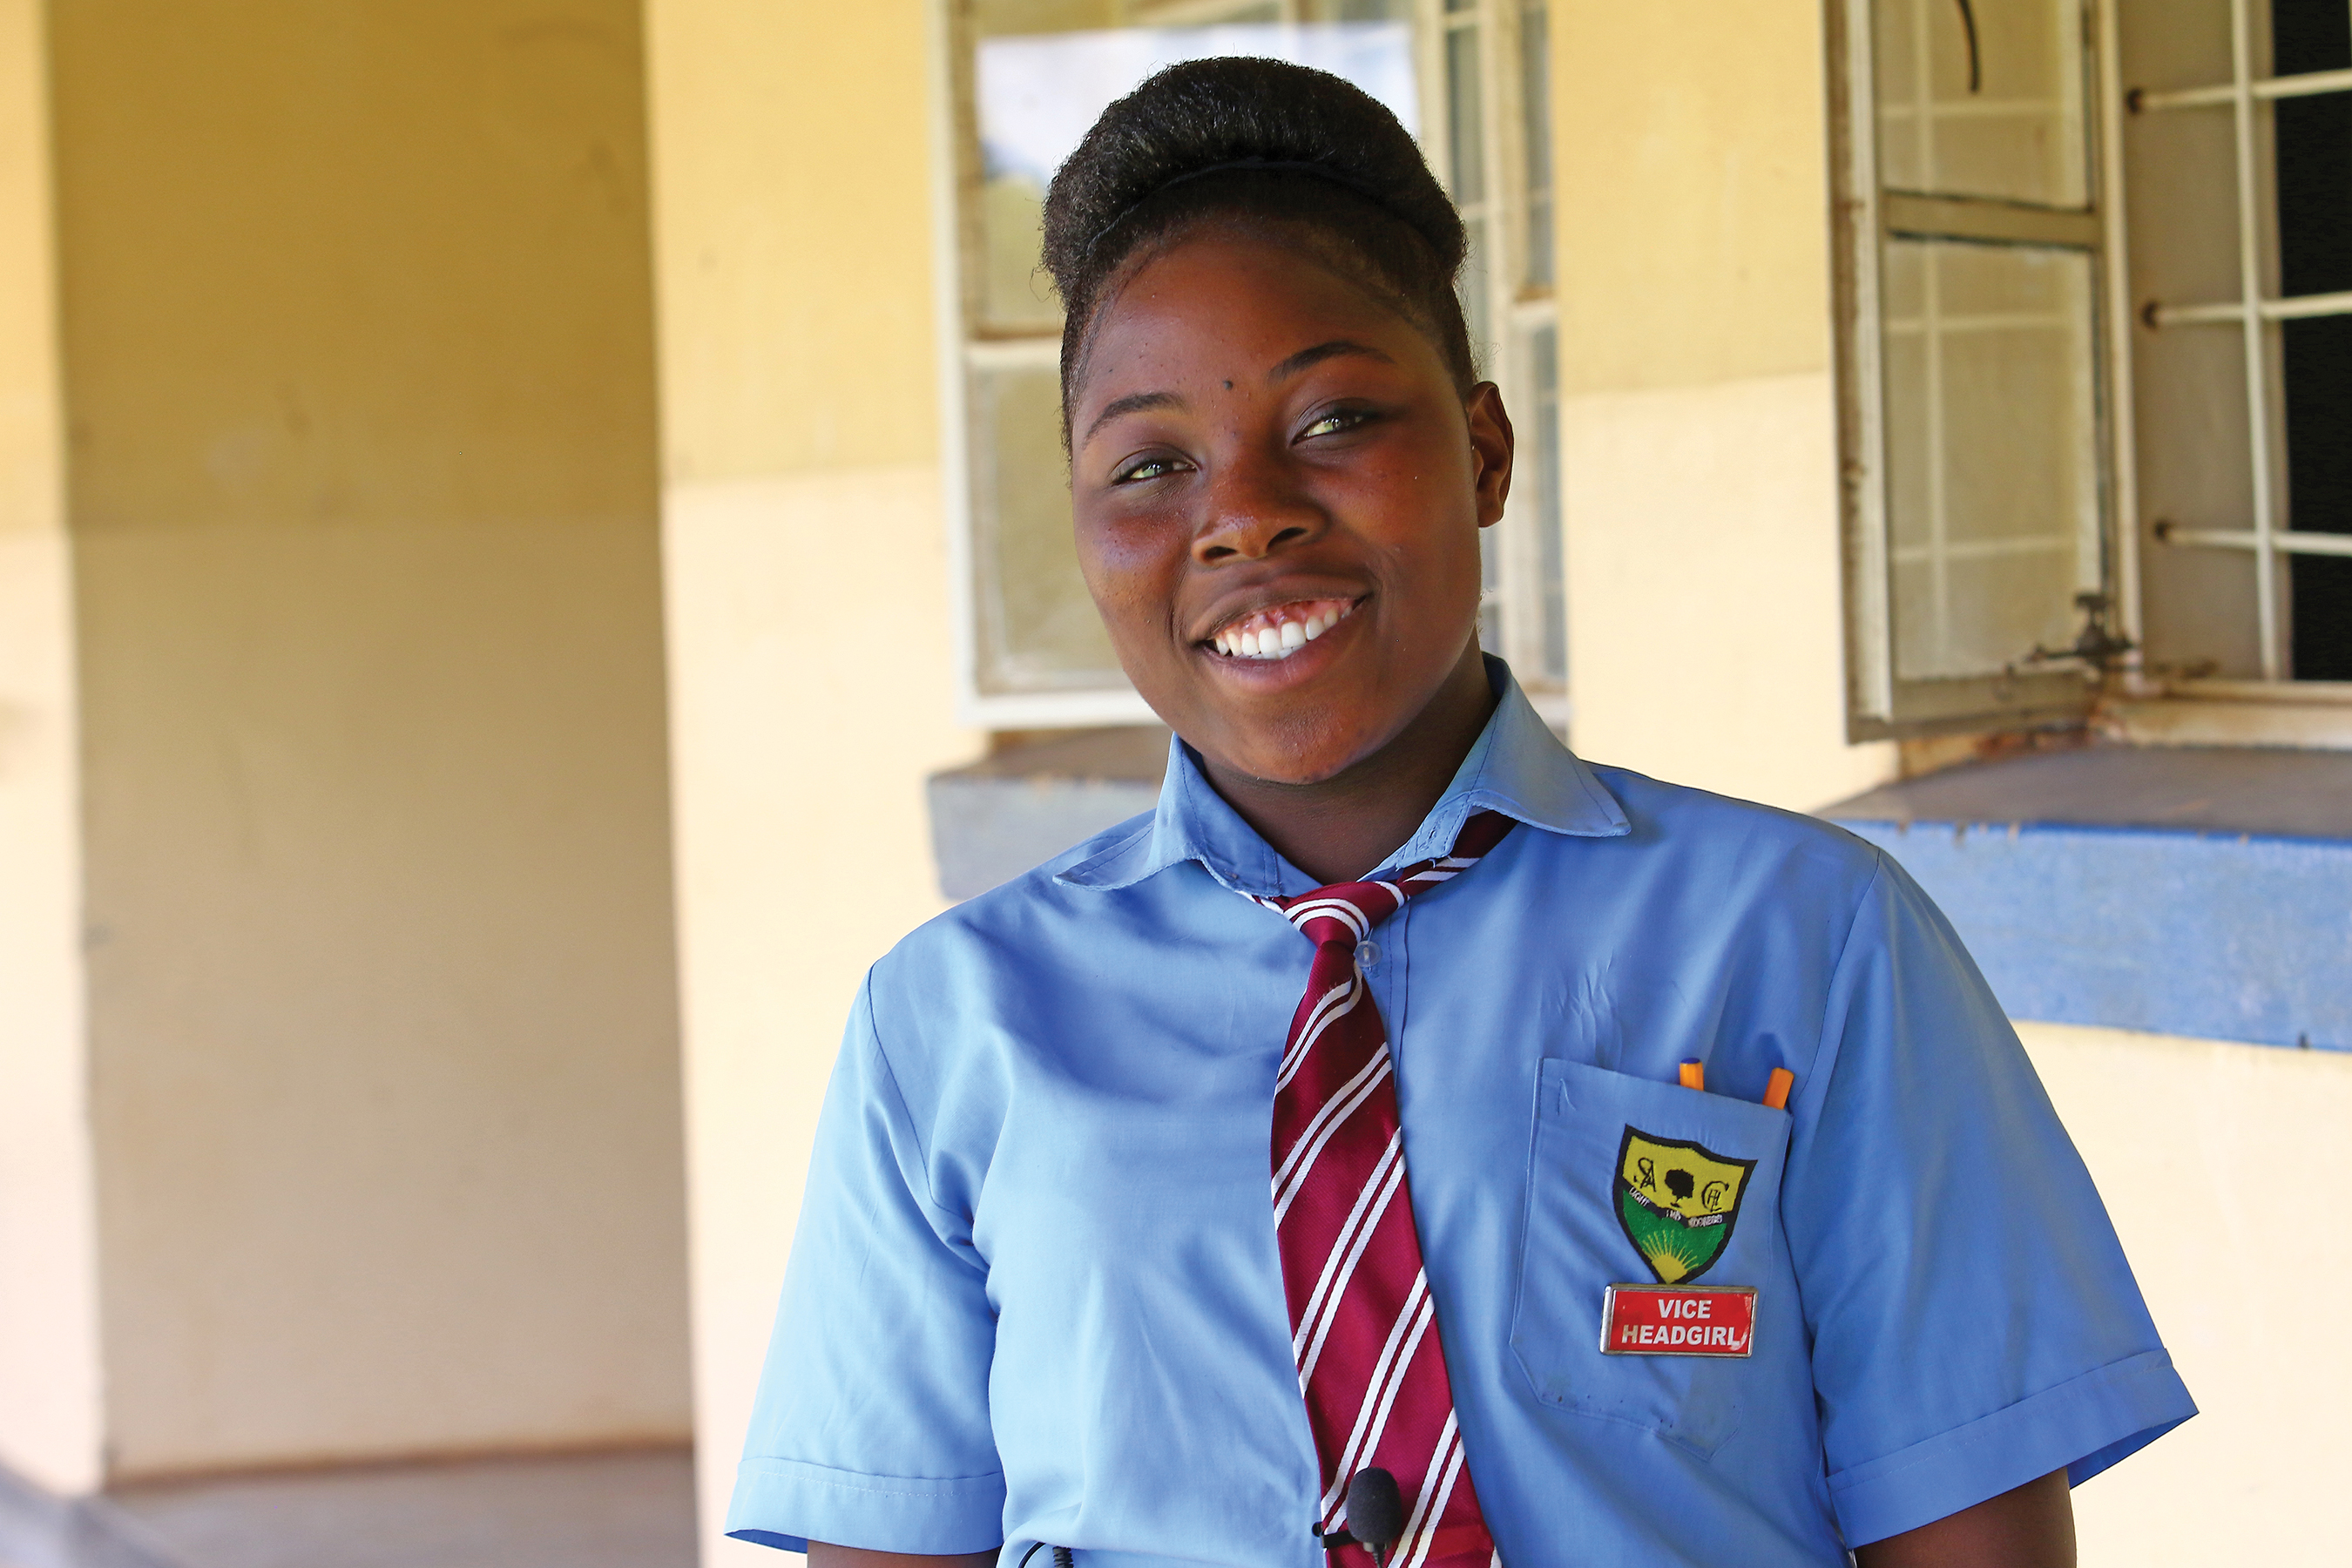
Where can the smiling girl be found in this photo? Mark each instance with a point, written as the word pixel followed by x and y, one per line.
pixel 1411 1143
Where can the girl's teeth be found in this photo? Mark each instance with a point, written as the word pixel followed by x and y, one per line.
pixel 1277 640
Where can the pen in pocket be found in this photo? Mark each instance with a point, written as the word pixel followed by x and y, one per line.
pixel 1776 1087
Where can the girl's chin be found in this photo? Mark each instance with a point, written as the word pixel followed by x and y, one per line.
pixel 1288 756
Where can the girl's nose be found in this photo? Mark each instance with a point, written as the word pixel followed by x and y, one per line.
pixel 1255 509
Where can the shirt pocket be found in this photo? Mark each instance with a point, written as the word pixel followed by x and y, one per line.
pixel 1707 1171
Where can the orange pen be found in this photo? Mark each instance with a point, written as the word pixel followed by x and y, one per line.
pixel 1695 1074
pixel 1776 1090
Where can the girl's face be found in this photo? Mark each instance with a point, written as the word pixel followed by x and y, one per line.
pixel 1278 493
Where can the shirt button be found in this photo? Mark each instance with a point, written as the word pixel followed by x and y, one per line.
pixel 1368 953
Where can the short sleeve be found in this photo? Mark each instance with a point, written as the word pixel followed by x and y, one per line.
pixel 1974 1323
pixel 871 1427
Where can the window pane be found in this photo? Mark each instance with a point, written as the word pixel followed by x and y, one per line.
pixel 1465 121
pixel 1490 589
pixel 1535 114
pixel 1466 115
pixel 1551 598
pixel 1040 87
pixel 1465 171
pixel 1982 98
pixel 1991 452
pixel 1036 624
pixel 1473 291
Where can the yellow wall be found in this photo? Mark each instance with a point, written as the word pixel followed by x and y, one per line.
pixel 356 323
pixel 49 1370
pixel 810 664
pixel 1699 455
pixel 31 477
pixel 2218 1164
pixel 792 171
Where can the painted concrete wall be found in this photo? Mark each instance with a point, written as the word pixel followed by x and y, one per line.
pixel 49 1372
pixel 2217 1164
pixel 356 325
pixel 808 599
pixel 1698 430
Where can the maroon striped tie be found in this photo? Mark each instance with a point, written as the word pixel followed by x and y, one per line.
pixel 1362 1323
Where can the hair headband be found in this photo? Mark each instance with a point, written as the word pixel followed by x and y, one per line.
pixel 1253 165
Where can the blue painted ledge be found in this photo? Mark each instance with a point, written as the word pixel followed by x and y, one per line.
pixel 2189 912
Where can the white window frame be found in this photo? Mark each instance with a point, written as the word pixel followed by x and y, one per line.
pixel 1880 703
pixel 1514 311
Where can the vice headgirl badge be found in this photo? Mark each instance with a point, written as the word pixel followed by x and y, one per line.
pixel 1677 1203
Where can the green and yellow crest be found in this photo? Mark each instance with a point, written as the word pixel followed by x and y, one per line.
pixel 1677 1203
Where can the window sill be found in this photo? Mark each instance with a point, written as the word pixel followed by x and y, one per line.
pixel 2298 715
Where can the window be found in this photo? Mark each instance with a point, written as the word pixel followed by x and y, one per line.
pixel 2069 238
pixel 1027 78
pixel 2237 134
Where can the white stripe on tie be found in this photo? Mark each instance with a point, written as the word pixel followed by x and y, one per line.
pixel 1320 1019
pixel 1333 1284
pixel 1318 1132
pixel 1339 909
pixel 1388 1376
pixel 1392 1158
pixel 1429 1505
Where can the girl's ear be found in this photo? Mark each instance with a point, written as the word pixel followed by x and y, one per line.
pixel 1492 445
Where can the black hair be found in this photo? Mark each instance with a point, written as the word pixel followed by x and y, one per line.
pixel 1265 146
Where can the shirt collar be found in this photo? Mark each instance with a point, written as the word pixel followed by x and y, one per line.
pixel 1518 766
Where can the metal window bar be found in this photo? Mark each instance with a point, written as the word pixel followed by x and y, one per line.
pixel 2252 314
pixel 2303 84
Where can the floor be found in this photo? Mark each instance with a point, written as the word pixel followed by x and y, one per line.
pixel 599 1511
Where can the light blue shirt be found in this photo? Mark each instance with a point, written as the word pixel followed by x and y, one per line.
pixel 1034 1295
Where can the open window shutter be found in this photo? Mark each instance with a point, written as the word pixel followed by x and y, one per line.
pixel 1973 366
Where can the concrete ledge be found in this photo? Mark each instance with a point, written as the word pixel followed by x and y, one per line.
pixel 2205 893
pixel 1025 803
pixel 2312 714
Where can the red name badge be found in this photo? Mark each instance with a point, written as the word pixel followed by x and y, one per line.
pixel 1678 1319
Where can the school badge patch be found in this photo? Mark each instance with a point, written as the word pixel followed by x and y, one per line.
pixel 1677 1203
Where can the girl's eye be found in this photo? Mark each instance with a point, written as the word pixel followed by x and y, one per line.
pixel 1144 469
pixel 1335 422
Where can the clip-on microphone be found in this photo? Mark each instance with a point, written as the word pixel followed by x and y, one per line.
pixel 1375 1515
